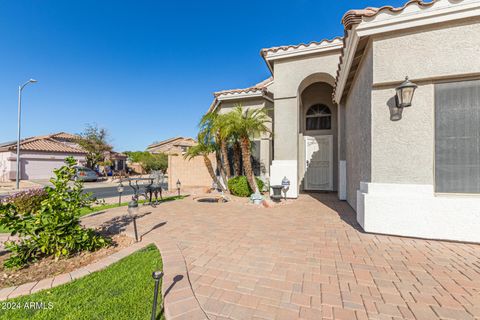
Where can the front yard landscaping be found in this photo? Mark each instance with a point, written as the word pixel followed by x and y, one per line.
pixel 124 290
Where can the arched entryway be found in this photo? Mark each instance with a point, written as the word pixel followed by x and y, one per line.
pixel 318 138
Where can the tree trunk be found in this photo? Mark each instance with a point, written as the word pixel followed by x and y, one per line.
pixel 224 185
pixel 237 154
pixel 247 164
pixel 225 162
pixel 209 166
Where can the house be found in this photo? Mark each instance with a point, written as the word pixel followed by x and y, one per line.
pixel 192 173
pixel 339 125
pixel 118 160
pixel 39 156
pixel 172 145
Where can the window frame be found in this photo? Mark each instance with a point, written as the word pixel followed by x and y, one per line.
pixel 324 115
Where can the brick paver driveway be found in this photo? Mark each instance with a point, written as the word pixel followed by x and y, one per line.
pixel 310 260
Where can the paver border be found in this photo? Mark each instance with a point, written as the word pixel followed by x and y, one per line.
pixel 179 300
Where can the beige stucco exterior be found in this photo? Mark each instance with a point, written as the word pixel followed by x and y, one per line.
pixel 383 155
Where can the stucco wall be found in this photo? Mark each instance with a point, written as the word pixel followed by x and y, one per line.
pixel 403 150
pixel 358 128
pixel 289 73
pixel 427 53
pixel 191 173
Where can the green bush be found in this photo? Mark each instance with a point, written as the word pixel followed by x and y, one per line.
pixel 149 161
pixel 28 201
pixel 238 186
pixel 52 229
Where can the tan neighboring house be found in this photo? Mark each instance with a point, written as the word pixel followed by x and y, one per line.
pixel 39 156
pixel 339 127
pixel 191 173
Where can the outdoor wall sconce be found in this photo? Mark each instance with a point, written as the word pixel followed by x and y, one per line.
pixel 286 186
pixel 133 212
pixel 120 190
pixel 179 184
pixel 405 93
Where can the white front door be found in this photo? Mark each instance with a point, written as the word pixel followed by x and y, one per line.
pixel 319 163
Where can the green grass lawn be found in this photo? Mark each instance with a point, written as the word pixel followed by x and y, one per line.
pixel 103 207
pixel 122 291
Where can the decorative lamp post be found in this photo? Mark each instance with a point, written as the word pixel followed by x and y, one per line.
pixel 157 275
pixel 179 184
pixel 133 210
pixel 286 186
pixel 20 89
pixel 120 190
pixel 404 93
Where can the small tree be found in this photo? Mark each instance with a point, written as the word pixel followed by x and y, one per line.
pixel 94 141
pixel 247 125
pixel 53 228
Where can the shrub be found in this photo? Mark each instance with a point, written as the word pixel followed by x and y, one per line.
pixel 28 201
pixel 238 186
pixel 54 228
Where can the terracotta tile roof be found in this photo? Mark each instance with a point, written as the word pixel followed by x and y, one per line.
pixel 312 44
pixel 65 136
pixel 261 86
pixel 353 17
pixel 43 144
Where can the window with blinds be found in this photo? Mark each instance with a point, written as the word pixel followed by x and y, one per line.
pixel 457 137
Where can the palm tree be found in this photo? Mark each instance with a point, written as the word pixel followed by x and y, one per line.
pixel 247 125
pixel 214 125
pixel 204 148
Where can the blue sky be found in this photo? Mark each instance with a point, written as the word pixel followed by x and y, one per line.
pixel 144 70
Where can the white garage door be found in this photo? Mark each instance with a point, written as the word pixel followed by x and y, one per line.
pixel 39 169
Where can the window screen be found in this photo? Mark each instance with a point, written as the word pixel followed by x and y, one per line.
pixel 457 137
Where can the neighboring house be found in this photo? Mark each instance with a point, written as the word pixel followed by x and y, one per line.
pixel 172 145
pixel 119 160
pixel 191 173
pixel 39 156
pixel 412 171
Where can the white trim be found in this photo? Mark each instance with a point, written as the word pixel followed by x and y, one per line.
pixel 414 210
pixel 285 168
pixel 330 151
pixel 342 180
pixel 344 67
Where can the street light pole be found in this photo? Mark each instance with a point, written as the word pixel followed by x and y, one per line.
pixel 20 88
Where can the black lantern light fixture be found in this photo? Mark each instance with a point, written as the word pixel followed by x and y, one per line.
pixel 120 190
pixel 405 93
pixel 133 210
pixel 179 184
pixel 286 186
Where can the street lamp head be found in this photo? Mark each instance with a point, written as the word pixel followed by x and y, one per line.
pixel 32 81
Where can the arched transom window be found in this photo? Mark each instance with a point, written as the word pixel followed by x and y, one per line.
pixel 318 117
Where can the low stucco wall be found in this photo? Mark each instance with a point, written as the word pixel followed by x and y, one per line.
pixel 191 173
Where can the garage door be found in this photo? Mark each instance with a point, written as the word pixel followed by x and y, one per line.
pixel 33 169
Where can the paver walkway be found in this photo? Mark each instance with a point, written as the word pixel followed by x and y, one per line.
pixel 309 260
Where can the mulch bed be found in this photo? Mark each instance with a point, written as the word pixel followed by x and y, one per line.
pixel 48 267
